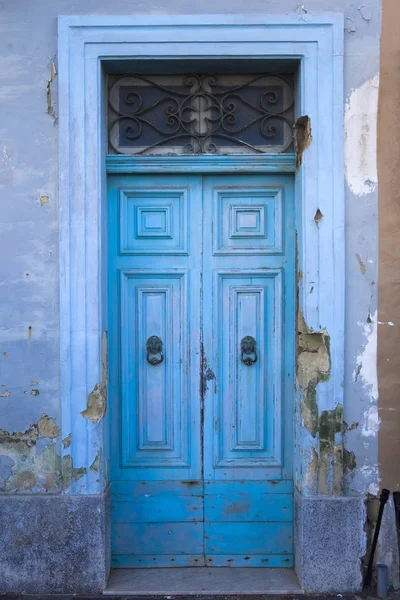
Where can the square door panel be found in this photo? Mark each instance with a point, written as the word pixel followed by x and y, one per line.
pixel 248 221
pixel 154 221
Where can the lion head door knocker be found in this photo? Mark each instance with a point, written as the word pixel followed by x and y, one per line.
pixel 248 354
pixel 154 348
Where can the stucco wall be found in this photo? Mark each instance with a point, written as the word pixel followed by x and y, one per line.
pixel 29 308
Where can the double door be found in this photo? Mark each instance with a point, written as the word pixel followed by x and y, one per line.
pixel 201 343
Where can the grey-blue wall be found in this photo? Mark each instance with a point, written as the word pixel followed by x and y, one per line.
pixel 29 308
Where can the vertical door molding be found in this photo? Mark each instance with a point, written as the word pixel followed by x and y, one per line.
pixel 85 45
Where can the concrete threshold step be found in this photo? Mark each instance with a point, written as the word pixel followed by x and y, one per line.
pixel 193 581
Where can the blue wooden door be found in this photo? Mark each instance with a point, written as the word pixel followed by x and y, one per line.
pixel 201 328
pixel 248 336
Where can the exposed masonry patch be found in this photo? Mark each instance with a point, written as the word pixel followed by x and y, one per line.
pixel 95 466
pixel 69 472
pixel 318 216
pixel 47 427
pixel 97 399
pixel 67 441
pixel 29 459
pixel 325 468
pixel 303 138
pixel 50 106
pixel 360 127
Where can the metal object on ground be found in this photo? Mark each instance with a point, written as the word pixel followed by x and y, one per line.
pixel 382 579
pixel 396 499
pixel 382 499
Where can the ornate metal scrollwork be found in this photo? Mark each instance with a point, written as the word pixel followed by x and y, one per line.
pixel 154 348
pixel 248 351
pixel 199 115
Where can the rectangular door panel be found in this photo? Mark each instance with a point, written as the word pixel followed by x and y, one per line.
pixel 155 427
pixel 248 501
pixel 248 538
pixel 248 404
pixel 157 502
pixel 158 538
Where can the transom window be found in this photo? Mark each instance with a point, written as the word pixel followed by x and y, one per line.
pixel 200 114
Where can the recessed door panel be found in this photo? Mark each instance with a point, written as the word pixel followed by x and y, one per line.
pixel 248 220
pixel 155 427
pixel 248 318
pixel 153 220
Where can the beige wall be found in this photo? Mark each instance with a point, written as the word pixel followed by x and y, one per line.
pixel 389 247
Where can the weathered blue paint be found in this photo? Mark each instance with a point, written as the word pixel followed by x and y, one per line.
pixel 248 163
pixel 155 232
pixel 201 262
pixel 86 46
pixel 248 290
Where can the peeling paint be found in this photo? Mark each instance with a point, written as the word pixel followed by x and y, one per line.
pixel 29 436
pixel 324 472
pixel 366 361
pixel 6 465
pixel 97 399
pixel 318 216
pixel 330 474
pixel 50 107
pixel 47 427
pixel 303 138
pixel 5 394
pixel 371 421
pixel 311 475
pixel 44 200
pixel 349 460
pixel 69 472
pixel 78 473
pixel 32 457
pixel 360 125
pixel 313 360
pixel 67 441
pixel 362 264
pixel 95 466
pixel 301 8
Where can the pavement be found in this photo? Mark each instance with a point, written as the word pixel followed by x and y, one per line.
pixel 369 596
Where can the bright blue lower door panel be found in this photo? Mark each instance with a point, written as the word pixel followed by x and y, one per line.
pixel 201 330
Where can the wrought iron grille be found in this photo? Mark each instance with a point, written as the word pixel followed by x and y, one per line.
pixel 201 114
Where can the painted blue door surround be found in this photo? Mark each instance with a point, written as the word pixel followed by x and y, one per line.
pixel 201 444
